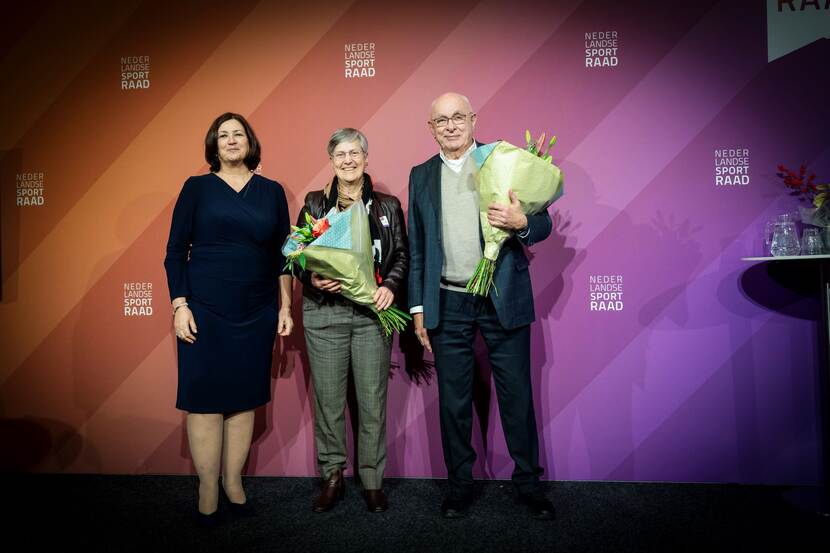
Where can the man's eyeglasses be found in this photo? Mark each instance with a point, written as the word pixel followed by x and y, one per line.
pixel 458 119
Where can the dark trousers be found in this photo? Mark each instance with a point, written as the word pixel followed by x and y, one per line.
pixel 462 315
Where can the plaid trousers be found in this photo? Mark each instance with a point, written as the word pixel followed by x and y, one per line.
pixel 339 336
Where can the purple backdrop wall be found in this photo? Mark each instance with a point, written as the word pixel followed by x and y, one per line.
pixel 706 368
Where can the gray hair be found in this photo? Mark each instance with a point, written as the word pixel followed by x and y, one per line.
pixel 348 135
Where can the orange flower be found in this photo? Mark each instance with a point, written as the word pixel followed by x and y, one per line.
pixel 320 226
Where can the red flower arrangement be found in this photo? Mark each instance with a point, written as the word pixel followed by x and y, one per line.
pixel 305 235
pixel 804 186
pixel 801 184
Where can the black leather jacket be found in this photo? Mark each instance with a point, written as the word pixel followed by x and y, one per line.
pixel 394 246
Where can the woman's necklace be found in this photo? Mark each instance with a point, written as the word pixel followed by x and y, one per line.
pixel 235 178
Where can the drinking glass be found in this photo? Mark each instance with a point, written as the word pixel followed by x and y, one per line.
pixel 811 242
pixel 784 237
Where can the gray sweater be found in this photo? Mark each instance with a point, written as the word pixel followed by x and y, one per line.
pixel 459 225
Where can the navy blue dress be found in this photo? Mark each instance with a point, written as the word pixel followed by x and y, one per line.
pixel 224 256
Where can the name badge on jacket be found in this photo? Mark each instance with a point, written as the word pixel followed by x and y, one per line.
pixel 384 221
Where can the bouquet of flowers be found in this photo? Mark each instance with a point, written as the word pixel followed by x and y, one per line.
pixel 532 177
pixel 339 246
pixel 805 186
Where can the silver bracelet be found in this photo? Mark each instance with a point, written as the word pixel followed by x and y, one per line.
pixel 183 304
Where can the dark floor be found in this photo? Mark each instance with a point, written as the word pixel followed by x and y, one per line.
pixel 155 513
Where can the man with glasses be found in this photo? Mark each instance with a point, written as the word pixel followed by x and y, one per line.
pixel 445 246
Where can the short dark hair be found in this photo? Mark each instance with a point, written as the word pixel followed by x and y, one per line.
pixel 212 142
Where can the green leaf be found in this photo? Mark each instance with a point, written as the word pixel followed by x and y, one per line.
pixel 527 137
pixel 301 259
pixel 308 218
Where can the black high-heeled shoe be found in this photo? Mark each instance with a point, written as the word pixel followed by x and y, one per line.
pixel 237 509
pixel 208 521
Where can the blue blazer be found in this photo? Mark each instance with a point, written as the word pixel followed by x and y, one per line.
pixel 512 295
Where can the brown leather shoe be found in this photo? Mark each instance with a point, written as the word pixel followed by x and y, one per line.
pixel 333 490
pixel 376 500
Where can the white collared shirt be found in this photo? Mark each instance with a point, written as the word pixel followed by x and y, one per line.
pixel 456 164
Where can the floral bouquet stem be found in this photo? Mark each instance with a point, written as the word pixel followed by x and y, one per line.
pixel 482 278
pixel 393 319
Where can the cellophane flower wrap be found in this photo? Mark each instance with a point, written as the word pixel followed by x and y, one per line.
pixel 339 246
pixel 534 180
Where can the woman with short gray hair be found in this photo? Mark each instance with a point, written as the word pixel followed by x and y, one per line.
pixel 340 333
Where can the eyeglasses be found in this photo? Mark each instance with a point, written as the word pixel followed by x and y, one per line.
pixel 458 119
pixel 340 157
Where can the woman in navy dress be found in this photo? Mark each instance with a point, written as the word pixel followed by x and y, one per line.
pixel 223 264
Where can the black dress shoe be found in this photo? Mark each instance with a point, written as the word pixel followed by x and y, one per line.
pixel 333 490
pixel 455 507
pixel 376 501
pixel 539 506
pixel 237 509
pixel 208 521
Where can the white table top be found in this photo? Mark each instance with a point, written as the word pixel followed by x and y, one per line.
pixel 786 257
